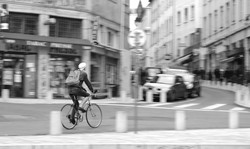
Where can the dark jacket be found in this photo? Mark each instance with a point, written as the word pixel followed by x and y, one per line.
pixel 77 89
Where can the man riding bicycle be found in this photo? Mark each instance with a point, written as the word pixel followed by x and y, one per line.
pixel 78 90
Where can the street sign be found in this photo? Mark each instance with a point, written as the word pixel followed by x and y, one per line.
pixel 137 38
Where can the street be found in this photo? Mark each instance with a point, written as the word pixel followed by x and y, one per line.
pixel 207 112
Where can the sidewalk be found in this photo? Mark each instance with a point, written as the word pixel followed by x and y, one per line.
pixel 188 139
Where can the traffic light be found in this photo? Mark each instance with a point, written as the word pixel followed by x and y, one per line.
pixel 4 17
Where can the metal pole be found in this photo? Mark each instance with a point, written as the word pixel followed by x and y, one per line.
pixel 136 96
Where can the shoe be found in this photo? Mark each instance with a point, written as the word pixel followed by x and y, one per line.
pixel 73 121
pixel 81 109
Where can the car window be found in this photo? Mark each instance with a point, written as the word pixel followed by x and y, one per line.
pixel 166 79
pixel 179 79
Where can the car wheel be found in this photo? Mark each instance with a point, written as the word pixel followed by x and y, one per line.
pixel 185 95
pixel 199 93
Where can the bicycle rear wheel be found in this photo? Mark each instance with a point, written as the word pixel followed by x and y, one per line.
pixel 66 111
pixel 94 115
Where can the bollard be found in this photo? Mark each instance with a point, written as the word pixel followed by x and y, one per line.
pixel 5 94
pixel 149 96
pixel 246 100
pixel 163 97
pixel 49 95
pixel 233 119
pixel 121 121
pixel 223 85
pixel 238 95
pixel 55 123
pixel 180 120
pixel 109 92
pixel 140 94
pixel 123 95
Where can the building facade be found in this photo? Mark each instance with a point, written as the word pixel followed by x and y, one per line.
pixel 161 31
pixel 209 35
pixel 226 37
pixel 46 39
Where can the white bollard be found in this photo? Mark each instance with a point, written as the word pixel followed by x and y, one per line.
pixel 140 94
pixel 246 99
pixel 5 94
pixel 163 97
pixel 238 95
pixel 123 96
pixel 149 96
pixel 49 95
pixel 223 85
pixel 55 123
pixel 109 92
pixel 180 120
pixel 121 121
pixel 233 119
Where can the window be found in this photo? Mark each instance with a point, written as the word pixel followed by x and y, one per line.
pixel 241 9
pixel 186 15
pixel 179 18
pixel 210 24
pixel 66 27
pixel 233 11
pixel 221 16
pixel 192 12
pixel 24 23
pixel 81 2
pixel 227 13
pixel 205 27
pixel 215 20
pixel 110 39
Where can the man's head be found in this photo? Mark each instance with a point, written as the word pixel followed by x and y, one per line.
pixel 82 66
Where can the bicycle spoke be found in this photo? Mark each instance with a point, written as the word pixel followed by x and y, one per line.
pixel 65 117
pixel 94 115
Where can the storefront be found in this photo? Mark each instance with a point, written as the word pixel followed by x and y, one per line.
pixel 33 66
pixel 105 68
pixel 62 59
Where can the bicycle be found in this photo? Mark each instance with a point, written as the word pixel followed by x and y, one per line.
pixel 93 114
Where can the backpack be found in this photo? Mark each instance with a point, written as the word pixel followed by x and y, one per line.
pixel 73 78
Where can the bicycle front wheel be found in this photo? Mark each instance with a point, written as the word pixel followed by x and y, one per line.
pixel 94 115
pixel 66 111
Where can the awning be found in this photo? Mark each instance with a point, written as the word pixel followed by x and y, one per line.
pixel 227 60
pixel 183 58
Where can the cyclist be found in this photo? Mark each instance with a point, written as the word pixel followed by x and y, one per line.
pixel 78 90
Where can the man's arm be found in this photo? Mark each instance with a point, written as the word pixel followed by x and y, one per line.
pixel 87 82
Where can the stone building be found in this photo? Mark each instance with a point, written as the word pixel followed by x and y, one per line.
pixel 47 38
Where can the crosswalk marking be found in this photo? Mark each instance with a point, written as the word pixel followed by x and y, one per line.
pixel 157 104
pixel 186 105
pixel 238 109
pixel 213 106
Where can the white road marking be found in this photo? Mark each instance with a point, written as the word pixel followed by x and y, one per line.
pixel 213 106
pixel 157 104
pixel 238 109
pixel 186 105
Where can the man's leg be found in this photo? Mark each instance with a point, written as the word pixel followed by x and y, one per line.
pixel 76 105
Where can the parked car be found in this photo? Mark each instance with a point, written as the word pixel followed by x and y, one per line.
pixel 173 85
pixel 191 80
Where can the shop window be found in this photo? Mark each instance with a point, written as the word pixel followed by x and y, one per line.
pixel 66 27
pixel 111 74
pixel 23 23
pixel 59 69
pixel 95 73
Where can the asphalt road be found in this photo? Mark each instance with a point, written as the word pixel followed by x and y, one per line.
pixel 34 119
